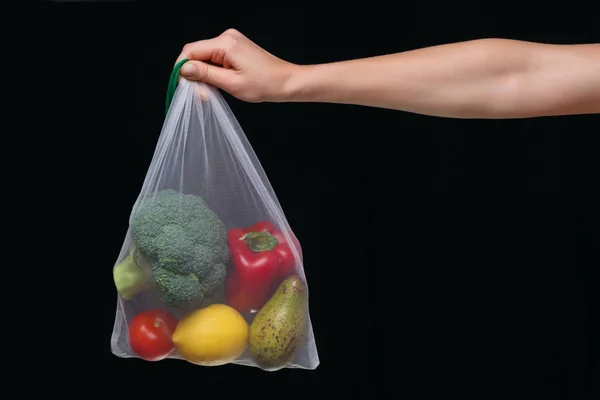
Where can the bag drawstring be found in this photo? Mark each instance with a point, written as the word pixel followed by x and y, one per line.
pixel 173 83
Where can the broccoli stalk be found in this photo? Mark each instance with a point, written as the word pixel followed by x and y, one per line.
pixel 132 275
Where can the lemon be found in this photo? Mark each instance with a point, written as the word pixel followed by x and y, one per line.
pixel 210 336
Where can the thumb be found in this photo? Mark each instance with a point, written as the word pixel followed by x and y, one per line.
pixel 203 72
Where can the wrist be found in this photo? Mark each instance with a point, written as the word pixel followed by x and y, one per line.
pixel 300 84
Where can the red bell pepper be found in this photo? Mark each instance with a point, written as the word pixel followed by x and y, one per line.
pixel 261 258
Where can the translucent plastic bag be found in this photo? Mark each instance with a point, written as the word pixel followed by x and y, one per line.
pixel 210 271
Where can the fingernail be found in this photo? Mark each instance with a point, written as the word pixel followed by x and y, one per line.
pixel 187 69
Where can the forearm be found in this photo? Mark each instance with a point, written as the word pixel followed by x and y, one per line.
pixel 490 78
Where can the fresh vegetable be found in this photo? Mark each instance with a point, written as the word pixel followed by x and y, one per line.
pixel 132 275
pixel 187 243
pixel 211 336
pixel 279 328
pixel 261 257
pixel 243 299
pixel 150 334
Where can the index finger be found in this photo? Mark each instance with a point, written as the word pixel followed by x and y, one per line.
pixel 201 50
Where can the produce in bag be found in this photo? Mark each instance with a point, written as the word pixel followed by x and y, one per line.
pixel 210 271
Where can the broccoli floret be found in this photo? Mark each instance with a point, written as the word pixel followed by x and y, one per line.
pixel 173 250
pixel 176 289
pixel 187 290
pixel 187 243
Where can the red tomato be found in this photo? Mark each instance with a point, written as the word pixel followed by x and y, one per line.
pixel 150 334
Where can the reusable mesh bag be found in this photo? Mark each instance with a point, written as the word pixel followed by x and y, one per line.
pixel 210 271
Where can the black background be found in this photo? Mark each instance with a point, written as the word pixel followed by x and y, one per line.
pixel 446 259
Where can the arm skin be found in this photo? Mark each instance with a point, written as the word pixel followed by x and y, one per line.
pixel 485 78
pixel 488 78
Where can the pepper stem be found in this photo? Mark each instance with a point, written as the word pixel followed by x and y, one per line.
pixel 260 241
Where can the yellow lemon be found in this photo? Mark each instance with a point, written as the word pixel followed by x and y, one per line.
pixel 210 336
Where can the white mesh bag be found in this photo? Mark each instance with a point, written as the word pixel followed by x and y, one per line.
pixel 210 271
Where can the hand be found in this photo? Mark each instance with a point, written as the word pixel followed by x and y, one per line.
pixel 234 63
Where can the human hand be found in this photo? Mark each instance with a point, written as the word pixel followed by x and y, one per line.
pixel 235 64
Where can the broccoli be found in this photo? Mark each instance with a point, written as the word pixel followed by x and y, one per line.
pixel 186 243
pixel 133 274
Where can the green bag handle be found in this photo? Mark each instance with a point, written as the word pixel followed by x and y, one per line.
pixel 173 83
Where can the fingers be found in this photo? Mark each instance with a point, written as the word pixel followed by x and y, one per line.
pixel 202 92
pixel 207 60
pixel 201 50
pixel 213 50
pixel 200 71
